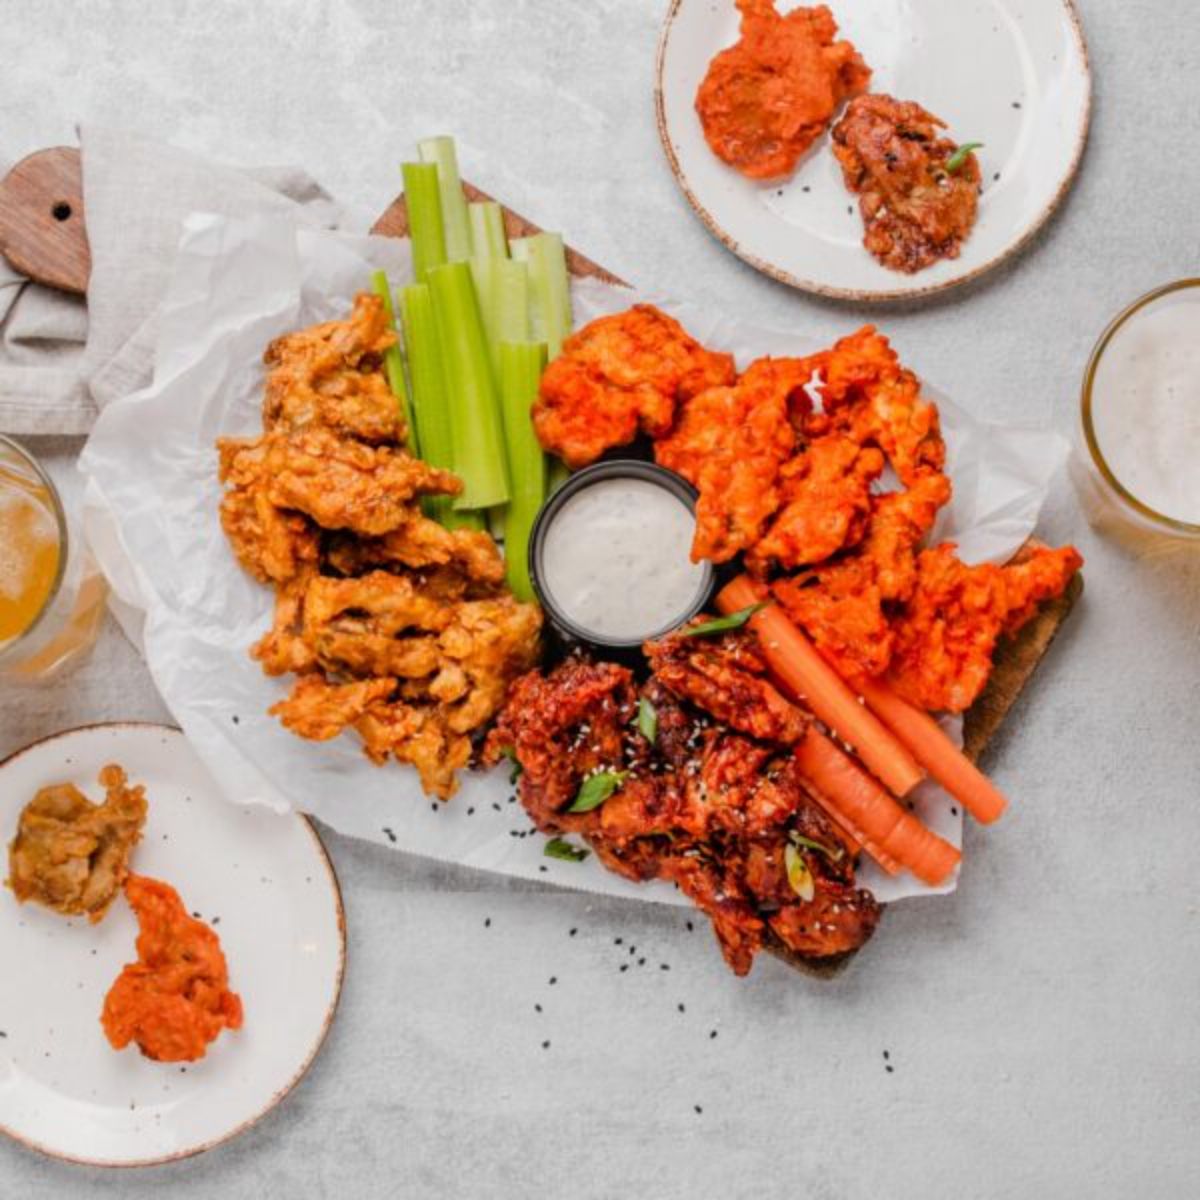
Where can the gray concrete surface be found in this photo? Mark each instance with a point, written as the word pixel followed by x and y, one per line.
pixel 1042 1024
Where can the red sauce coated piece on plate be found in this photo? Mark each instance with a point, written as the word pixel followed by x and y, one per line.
pixel 175 999
pixel 768 97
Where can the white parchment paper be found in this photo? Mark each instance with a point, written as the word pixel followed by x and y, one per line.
pixel 151 467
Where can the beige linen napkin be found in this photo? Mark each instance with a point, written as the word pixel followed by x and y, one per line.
pixel 61 361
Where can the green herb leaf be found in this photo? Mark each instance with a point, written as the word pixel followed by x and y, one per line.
pixel 511 755
pixel 833 853
pixel 799 876
pixel 557 848
pixel 956 160
pixel 647 720
pixel 596 789
pixel 724 624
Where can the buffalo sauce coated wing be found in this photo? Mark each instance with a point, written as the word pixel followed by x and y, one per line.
pixel 175 999
pixel 617 375
pixel 893 156
pixel 730 443
pixel 947 635
pixel 714 802
pixel 767 98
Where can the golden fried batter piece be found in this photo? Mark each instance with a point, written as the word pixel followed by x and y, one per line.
pixel 71 855
pixel 320 710
pixel 767 98
pixel 379 624
pixel 730 444
pixel 342 484
pixel 421 543
pixel 273 545
pixel 617 374
pixel 283 650
pixel 418 675
pixel 330 375
pixel 947 635
pixel 916 211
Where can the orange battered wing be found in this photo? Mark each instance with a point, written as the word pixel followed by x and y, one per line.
pixel 730 444
pixel 947 635
pixel 766 99
pixel 175 999
pixel 826 497
pixel 619 374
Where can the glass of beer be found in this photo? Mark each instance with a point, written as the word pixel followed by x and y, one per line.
pixel 51 594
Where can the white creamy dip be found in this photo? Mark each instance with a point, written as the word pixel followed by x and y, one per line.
pixel 1146 405
pixel 615 559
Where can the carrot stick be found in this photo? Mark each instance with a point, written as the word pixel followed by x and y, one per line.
pixel 794 659
pixel 935 752
pixel 853 837
pixel 866 806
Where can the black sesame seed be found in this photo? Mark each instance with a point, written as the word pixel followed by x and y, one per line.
pixel 697 1108
pixel 886 1055
pixel 690 927
pixel 890 1069
pixel 487 922
pixel 542 869
pixel 470 812
pixel 712 1033
pixel 617 941
pixel 537 1008
pixel 1016 104
pixel 553 980
pixel 545 1045
pixel 664 966
pixel 624 966
pixel 573 932
pixel 237 720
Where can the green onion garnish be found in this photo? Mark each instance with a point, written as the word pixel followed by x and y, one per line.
pixel 960 156
pixel 596 789
pixel 724 624
pixel 557 848
pixel 647 720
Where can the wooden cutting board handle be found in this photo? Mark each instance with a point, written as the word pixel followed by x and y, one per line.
pixel 42 231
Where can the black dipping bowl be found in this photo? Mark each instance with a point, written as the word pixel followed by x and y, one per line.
pixel 622 468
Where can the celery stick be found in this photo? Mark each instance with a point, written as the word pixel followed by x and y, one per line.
pixel 488 239
pixel 441 150
pixel 430 401
pixel 549 287
pixel 503 290
pixel 475 421
pixel 393 365
pixel 425 228
pixel 521 366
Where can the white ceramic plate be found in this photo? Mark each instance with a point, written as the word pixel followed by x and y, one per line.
pixel 63 1089
pixel 1012 74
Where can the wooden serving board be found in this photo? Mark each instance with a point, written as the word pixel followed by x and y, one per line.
pixel 44 236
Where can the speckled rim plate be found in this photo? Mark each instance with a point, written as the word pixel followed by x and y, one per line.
pixel 266 884
pixel 1011 74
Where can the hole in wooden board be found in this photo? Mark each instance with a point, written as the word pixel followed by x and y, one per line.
pixel 61 211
